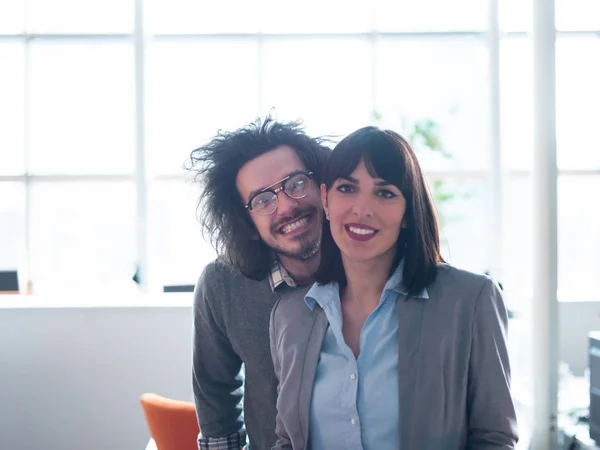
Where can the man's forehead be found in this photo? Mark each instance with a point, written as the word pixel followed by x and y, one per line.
pixel 268 169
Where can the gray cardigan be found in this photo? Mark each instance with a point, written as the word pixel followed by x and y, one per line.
pixel 454 383
pixel 231 327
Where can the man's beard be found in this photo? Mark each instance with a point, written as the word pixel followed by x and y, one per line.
pixel 308 248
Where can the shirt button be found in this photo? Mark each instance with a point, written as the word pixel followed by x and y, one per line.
pixel 353 421
pixel 353 377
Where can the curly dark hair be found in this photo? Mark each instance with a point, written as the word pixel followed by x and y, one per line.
pixel 389 156
pixel 225 222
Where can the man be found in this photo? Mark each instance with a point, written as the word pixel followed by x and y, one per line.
pixel 261 209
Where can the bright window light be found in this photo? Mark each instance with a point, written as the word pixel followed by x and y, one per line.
pixel 81 108
pixel 12 108
pixel 193 90
pixel 325 82
pixel 82 236
pixel 12 16
pixel 80 16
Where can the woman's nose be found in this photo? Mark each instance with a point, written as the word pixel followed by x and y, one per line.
pixel 362 207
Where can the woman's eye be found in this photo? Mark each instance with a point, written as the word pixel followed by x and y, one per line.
pixel 345 188
pixel 384 193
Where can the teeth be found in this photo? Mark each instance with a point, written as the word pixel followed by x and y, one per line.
pixel 294 225
pixel 361 231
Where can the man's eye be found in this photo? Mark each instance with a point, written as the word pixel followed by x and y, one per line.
pixel 298 186
pixel 261 201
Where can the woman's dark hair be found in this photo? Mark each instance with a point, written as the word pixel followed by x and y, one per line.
pixel 388 156
pixel 225 222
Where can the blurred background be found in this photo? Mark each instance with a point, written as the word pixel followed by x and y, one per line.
pixel 101 103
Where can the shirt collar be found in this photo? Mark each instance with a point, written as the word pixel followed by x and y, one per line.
pixel 321 295
pixel 279 276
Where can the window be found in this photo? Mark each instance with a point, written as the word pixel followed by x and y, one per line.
pixel 76 16
pixel 464 235
pixel 323 82
pixel 315 16
pixel 193 90
pixel 12 17
pixel 70 174
pixel 12 227
pixel 81 108
pixel 578 102
pixel 578 237
pixel 577 15
pixel 516 103
pixel 570 15
pixel 578 160
pixel 431 15
pixel 12 108
pixel 199 17
pixel 178 251
pixel 82 236
pixel 444 79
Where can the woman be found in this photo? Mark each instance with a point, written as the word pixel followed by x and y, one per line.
pixel 391 348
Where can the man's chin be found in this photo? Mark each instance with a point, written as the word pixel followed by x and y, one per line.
pixel 303 252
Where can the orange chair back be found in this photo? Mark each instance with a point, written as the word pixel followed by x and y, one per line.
pixel 172 423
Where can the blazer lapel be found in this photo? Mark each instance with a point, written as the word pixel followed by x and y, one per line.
pixel 313 350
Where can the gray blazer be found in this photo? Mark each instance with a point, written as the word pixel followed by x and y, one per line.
pixel 454 383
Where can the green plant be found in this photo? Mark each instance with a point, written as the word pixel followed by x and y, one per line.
pixel 424 135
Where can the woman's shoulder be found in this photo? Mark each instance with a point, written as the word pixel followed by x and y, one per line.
pixel 294 315
pixel 460 289
pixel 455 280
pixel 291 304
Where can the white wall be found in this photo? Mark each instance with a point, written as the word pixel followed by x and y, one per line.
pixel 576 319
pixel 71 378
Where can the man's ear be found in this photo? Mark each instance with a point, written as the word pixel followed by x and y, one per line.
pixel 324 200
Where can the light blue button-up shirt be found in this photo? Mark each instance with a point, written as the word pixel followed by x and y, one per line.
pixel 354 402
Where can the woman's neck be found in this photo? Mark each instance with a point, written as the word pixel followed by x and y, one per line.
pixel 366 280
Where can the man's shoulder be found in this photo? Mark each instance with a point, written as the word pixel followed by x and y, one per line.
pixel 221 271
pixel 224 279
pixel 218 270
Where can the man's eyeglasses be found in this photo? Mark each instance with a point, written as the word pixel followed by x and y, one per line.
pixel 295 185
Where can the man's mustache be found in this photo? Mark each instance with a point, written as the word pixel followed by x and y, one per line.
pixel 296 214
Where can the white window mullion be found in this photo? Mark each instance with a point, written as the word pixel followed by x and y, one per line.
pixel 545 261
pixel 141 179
pixel 26 141
pixel 260 87
pixel 495 186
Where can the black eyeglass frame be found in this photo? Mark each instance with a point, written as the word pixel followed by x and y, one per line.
pixel 276 191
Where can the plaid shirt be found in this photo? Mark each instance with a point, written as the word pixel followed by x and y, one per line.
pixel 278 277
pixel 235 441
